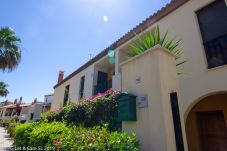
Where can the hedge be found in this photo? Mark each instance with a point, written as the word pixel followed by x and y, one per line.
pixel 97 110
pixel 72 138
pixel 11 128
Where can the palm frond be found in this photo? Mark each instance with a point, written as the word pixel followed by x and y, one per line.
pixel 3 89
pixel 148 40
pixel 10 54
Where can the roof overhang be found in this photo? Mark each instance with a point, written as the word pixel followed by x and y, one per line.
pixel 164 11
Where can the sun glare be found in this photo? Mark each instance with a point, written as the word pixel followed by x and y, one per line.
pixel 105 18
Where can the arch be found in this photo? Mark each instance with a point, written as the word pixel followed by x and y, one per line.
pixel 209 107
pixel 196 101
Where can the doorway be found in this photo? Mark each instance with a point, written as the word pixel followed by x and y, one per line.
pixel 213 131
pixel 206 124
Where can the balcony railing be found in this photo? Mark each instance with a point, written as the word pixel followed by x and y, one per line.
pixel 102 87
pixel 216 51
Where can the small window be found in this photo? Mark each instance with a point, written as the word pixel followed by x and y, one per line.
pixel 213 26
pixel 32 115
pixel 82 80
pixel 66 97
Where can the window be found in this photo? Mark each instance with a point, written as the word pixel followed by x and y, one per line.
pixel 66 97
pixel 102 82
pixel 82 80
pixel 213 26
pixel 32 115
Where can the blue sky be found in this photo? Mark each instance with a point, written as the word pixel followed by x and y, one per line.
pixel 60 35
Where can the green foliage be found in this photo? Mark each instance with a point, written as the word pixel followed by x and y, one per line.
pixel 153 38
pixel 3 89
pixel 10 54
pixel 9 125
pixel 45 134
pixel 97 111
pixel 6 122
pixel 22 134
pixel 49 116
pixel 73 138
pixel 11 128
pixel 99 138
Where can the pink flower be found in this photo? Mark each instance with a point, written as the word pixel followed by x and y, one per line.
pixel 108 92
pixel 58 110
pixel 56 143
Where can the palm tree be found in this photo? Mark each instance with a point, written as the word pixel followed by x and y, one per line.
pixel 3 89
pixel 153 38
pixel 145 41
pixel 10 54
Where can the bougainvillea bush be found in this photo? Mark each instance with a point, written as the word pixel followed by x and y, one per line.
pixel 96 110
pixel 59 136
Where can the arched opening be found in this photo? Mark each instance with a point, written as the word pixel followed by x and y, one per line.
pixel 206 124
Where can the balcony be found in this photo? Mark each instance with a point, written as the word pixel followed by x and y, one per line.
pixel 216 51
pixel 103 75
pixel 103 86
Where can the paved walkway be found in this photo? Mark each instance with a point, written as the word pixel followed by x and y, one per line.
pixel 5 141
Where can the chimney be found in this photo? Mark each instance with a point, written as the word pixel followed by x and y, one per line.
pixel 6 102
pixel 35 101
pixel 15 101
pixel 20 101
pixel 60 76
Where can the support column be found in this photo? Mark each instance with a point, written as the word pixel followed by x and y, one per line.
pixel 152 76
pixel 116 79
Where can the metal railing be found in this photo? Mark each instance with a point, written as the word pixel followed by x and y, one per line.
pixel 216 51
pixel 102 87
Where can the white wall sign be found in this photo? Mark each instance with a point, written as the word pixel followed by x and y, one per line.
pixel 138 79
pixel 142 101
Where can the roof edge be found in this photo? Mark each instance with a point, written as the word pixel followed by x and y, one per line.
pixel 164 11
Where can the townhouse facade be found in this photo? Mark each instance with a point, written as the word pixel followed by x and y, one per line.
pixel 25 112
pixel 202 27
pixel 10 110
pixel 32 111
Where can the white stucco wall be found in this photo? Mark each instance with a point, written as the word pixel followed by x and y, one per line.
pixel 74 83
pixel 154 125
pixel 36 109
pixel 24 113
pixel 200 80
pixel 48 99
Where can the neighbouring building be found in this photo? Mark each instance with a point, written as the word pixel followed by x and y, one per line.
pixel 11 110
pixel 47 102
pixel 4 103
pixel 202 27
pixel 35 110
pixel 24 112
pixel 32 111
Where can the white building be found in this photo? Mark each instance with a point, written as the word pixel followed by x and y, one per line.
pixel 202 27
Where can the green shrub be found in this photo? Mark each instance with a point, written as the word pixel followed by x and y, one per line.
pixel 93 111
pixel 74 138
pixel 46 133
pixel 11 128
pixel 49 116
pixel 100 139
pixel 6 122
pixel 22 134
